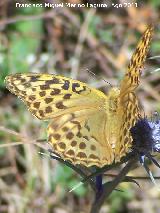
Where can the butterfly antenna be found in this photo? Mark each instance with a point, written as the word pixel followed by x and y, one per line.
pixel 154 57
pixel 144 115
pixel 151 118
pixel 101 77
pixel 154 71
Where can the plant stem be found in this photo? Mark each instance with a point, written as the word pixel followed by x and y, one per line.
pixel 110 186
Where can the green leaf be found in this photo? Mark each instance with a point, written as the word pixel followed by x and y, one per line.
pixel 23 43
pixel 80 190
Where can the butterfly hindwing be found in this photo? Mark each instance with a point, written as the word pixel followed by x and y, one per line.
pixel 80 138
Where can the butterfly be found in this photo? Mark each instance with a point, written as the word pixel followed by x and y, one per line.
pixel 86 126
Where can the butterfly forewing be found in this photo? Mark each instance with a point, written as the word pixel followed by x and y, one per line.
pixel 49 96
pixel 128 103
pixel 131 79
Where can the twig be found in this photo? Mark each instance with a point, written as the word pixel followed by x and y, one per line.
pixel 79 48
pixel 75 168
pixel 24 139
pixel 133 177
pixel 12 20
pixel 150 90
pixel 110 186
pixel 108 167
pixel 10 131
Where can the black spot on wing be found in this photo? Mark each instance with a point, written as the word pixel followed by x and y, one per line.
pixel 48 100
pixel 86 137
pixel 60 105
pixel 36 105
pixel 23 80
pixel 24 93
pixel 57 136
pixel 55 91
pixel 67 96
pixel 65 129
pixel 42 93
pixel 76 88
pixel 48 109
pixel 41 112
pixel 34 78
pixel 52 81
pixel 82 145
pixel 33 89
pixel 66 85
pixel 45 86
pixel 70 135
pixel 79 135
pixel 32 97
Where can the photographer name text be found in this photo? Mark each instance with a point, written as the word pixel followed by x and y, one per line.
pixel 72 5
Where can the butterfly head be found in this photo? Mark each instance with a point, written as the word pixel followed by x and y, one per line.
pixel 113 93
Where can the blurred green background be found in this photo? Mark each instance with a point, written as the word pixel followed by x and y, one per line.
pixel 69 41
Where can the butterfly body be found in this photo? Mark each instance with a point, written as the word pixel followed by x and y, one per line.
pixel 86 126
